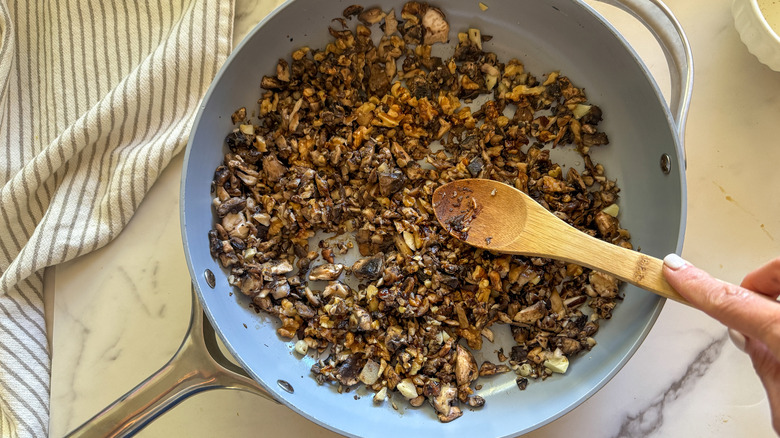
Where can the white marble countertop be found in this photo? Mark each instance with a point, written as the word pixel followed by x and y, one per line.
pixel 120 312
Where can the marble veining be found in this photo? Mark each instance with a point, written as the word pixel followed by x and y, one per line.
pixel 120 312
pixel 650 419
pixel 78 331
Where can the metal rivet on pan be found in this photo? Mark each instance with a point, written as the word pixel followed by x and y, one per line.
pixel 666 164
pixel 210 280
pixel 285 385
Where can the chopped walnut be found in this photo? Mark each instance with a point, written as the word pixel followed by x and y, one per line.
pixel 352 139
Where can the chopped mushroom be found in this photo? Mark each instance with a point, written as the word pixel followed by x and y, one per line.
pixel 352 10
pixel 490 369
pixel 276 267
pixel 347 373
pixel 329 271
pixel 417 401
pixel 249 284
pixel 281 289
pixel 371 16
pixel 476 401
pixel 605 285
pixel 532 313
pixel 361 319
pixel 274 169
pixel 369 268
pixel 607 224
pixel 436 27
pixel 352 138
pixel 391 182
pixel 235 224
pixel 391 23
pixel 465 367
pixel 231 205
pixel 335 289
pixel 444 403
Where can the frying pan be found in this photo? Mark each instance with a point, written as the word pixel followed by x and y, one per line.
pixel 645 155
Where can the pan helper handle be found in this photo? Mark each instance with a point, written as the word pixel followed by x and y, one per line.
pixel 660 21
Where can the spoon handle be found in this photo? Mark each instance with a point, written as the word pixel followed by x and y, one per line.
pixel 631 266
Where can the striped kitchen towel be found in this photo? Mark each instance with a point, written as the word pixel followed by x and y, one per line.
pixel 96 97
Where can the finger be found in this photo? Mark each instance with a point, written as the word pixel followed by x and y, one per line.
pixel 765 363
pixel 738 339
pixel 765 280
pixel 768 369
pixel 748 312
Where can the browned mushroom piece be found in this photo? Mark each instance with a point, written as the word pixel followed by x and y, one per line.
pixel 491 369
pixel 605 285
pixel 238 116
pixel 391 182
pixel 445 403
pixel 249 284
pixel 351 139
pixel 272 83
pixel 335 289
pixel 282 71
pixel 273 168
pixel 352 10
pixel 466 370
pixel 417 401
pixel 391 23
pixel 348 371
pixel 276 267
pixel 531 314
pixel 607 225
pixel 371 16
pixel 231 205
pixel 360 320
pixel 369 268
pixel 476 401
pixel 437 29
pixel 412 10
pixel 328 271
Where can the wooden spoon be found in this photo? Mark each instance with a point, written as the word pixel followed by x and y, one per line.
pixel 497 217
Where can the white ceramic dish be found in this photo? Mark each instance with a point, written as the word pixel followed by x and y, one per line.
pixel 759 29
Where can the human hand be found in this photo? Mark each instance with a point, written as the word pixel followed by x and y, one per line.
pixel 751 311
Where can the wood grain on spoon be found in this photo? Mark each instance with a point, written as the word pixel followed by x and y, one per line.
pixel 497 217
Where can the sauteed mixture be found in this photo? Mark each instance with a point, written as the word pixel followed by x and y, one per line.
pixel 351 140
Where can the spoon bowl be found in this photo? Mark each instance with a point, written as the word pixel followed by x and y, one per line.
pixel 497 217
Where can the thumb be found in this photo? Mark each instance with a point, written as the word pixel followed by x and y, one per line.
pixel 741 309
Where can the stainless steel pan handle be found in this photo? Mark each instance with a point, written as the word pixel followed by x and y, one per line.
pixel 660 21
pixel 198 365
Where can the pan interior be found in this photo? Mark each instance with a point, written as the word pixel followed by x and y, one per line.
pixel 563 35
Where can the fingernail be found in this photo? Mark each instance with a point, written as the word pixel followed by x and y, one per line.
pixel 738 339
pixel 675 262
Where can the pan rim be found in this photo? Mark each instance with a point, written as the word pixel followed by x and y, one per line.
pixel 279 395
